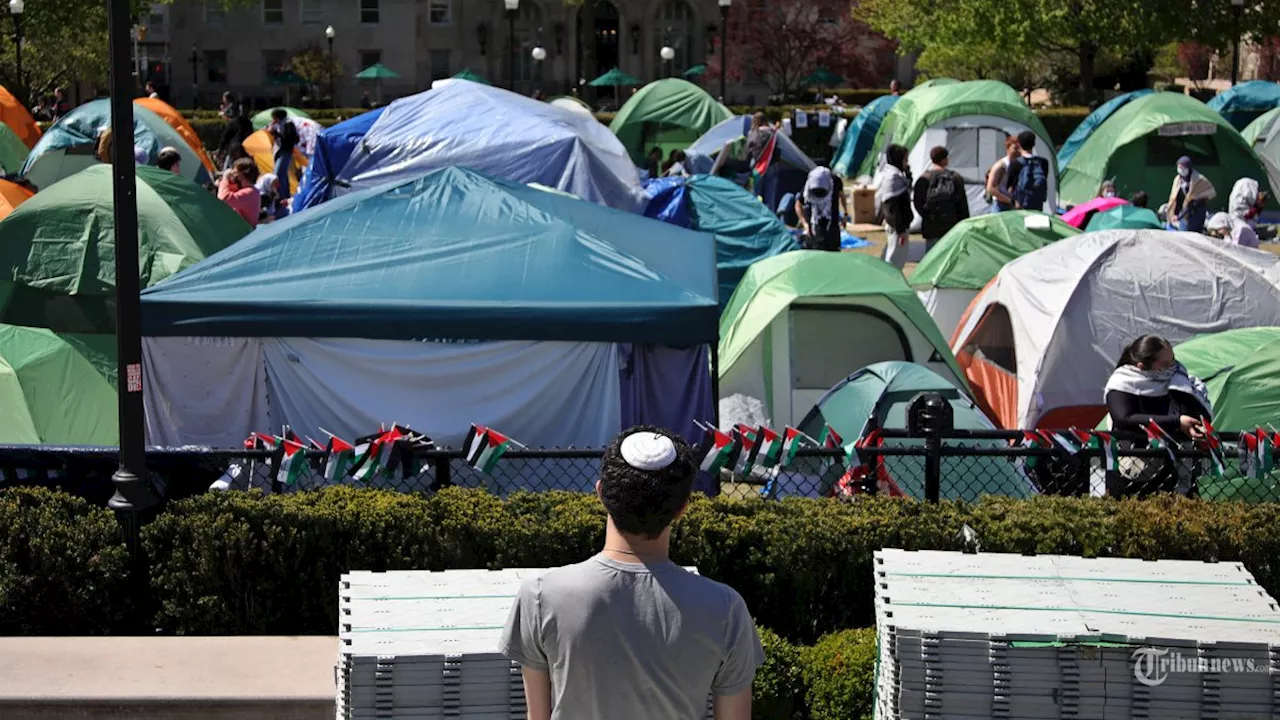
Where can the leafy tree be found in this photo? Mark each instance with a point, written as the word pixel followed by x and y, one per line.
pixel 315 66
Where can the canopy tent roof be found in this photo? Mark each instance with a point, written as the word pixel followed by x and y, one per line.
pixel 1091 123
pixel 1244 103
pixel 745 230
pixel 334 146
pixel 56 389
pixel 925 106
pixel 861 135
pixel 377 71
pixel 179 124
pixel 671 112
pixel 615 78
pixel 57 250
pixel 263 119
pixel 68 146
pixel 735 129
pixel 14 114
pixel 1139 145
pixel 771 285
pixel 499 133
pixel 1125 217
pixel 451 254
pixel 975 249
pixel 877 396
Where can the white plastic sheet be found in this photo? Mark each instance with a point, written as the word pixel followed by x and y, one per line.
pixel 204 391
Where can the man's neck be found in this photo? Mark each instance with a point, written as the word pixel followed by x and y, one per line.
pixel 625 547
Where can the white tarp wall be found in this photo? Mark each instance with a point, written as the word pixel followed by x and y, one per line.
pixel 216 391
pixel 946 306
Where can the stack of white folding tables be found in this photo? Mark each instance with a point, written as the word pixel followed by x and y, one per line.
pixel 969 636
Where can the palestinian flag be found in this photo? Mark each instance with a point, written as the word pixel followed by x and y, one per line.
pixel 1157 438
pixel 367 452
pixel 485 447
pixel 340 457
pixel 1247 450
pixel 770 448
pixel 1213 444
pixel 263 442
pixel 829 439
pixel 388 452
pixel 1266 454
pixel 747 457
pixel 1031 440
pixel 1107 445
pixel 716 450
pixel 292 463
pixel 792 439
pixel 766 159
pixel 1067 441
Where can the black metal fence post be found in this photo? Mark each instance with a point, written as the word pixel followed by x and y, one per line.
pixel 932 468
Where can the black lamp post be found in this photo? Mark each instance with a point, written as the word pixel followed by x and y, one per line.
pixel 16 7
pixel 134 494
pixel 724 43
pixel 195 76
pixel 513 8
pixel 667 53
pixel 1237 7
pixel 329 35
pixel 539 54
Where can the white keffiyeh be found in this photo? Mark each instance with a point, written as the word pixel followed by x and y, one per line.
pixel 820 203
pixel 1129 379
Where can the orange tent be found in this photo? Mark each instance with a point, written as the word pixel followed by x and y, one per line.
pixel 179 123
pixel 259 147
pixel 11 196
pixel 15 115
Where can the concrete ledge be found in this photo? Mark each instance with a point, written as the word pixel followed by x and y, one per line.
pixel 289 678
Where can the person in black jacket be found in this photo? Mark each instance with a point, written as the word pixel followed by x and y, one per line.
pixel 1149 386
pixel 940 198
pixel 893 204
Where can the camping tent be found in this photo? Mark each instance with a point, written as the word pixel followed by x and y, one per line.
pixel 11 196
pixel 1080 215
pixel 57 250
pixel 56 389
pixel 786 174
pixel 13 152
pixel 745 230
pixel 876 397
pixel 180 125
pixel 1091 123
pixel 572 104
pixel 1263 135
pixel 263 119
pixel 802 321
pixel 1040 341
pixel 1242 104
pixel 259 147
pixel 449 299
pixel 499 133
pixel 1139 146
pixel 1124 217
pixel 970 119
pixel 860 136
pixel 68 147
pixel 15 115
pixel 967 257
pixel 333 148
pixel 670 114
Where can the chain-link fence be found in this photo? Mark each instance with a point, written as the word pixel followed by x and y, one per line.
pixel 956 465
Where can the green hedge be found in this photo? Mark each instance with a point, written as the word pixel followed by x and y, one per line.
pixel 1061 122
pixel 832 680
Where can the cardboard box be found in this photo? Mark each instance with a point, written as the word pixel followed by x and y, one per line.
pixel 864 205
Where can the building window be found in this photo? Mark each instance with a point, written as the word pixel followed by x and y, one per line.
pixel 369 13
pixel 440 64
pixel 156 19
pixel 214 14
pixel 441 12
pixel 528 22
pixel 312 12
pixel 273 12
pixel 215 63
pixel 675 27
pixel 274 65
pixel 369 58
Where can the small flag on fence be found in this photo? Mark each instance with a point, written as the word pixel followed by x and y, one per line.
pixel 830 440
pixel 292 462
pixel 366 453
pixel 1033 439
pixel 1067 442
pixel 746 459
pixel 1266 454
pixel 716 450
pixel 1247 449
pixel 792 440
pixel 485 446
pixel 1214 445
pixel 769 453
pixel 1107 444
pixel 1157 438
pixel 340 457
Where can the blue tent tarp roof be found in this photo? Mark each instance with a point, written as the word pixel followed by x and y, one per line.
pixel 333 148
pixel 499 133
pixel 1246 102
pixel 745 230
pixel 860 136
pixel 451 255
pixel 1091 123
pixel 736 128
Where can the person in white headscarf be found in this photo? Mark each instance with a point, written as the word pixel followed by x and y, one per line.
pixel 1246 201
pixel 1232 228
pixel 893 204
pixel 819 210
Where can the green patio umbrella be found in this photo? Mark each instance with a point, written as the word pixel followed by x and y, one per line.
pixel 617 79
pixel 467 74
pixel 57 250
pixel 822 78
pixel 57 389
pixel 377 72
pixel 696 71
pixel 263 119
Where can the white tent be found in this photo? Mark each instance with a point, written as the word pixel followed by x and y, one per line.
pixel 1040 341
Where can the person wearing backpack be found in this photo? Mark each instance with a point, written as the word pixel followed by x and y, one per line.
pixel 940 198
pixel 1029 175
pixel 819 208
pixel 285 134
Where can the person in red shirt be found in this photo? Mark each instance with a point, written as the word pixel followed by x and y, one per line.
pixel 237 190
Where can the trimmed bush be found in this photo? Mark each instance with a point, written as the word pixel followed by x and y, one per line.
pixel 63 568
pixel 1061 122
pixel 839 674
pixel 778 692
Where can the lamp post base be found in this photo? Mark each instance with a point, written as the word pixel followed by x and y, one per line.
pixel 133 494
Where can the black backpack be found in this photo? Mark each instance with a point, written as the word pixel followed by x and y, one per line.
pixel 290 139
pixel 940 198
pixel 1032 188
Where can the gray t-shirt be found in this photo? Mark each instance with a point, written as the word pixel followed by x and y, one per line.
pixel 631 641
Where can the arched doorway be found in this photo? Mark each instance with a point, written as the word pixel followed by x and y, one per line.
pixel 603 46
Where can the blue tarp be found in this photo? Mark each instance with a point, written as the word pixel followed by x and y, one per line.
pixel 860 136
pixel 1091 123
pixel 498 133
pixel 333 148
pixel 745 229
pixel 1246 102
pixel 451 255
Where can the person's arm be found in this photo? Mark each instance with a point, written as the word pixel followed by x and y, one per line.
pixel 920 193
pixel 537 694
pixel 731 687
pixel 995 183
pixel 727 707
pixel 804 222
pixel 1123 408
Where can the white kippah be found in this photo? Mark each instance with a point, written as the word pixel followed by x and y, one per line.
pixel 648 451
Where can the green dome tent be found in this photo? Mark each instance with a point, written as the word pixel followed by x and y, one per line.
pixel 670 114
pixel 13 152
pixel 57 256
pixel 876 397
pixel 1140 144
pixel 801 321
pixel 970 255
pixel 56 389
pixel 1124 217
pixel 263 119
pixel 1263 135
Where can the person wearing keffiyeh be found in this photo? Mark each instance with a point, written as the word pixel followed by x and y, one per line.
pixel 819 210
pixel 893 204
